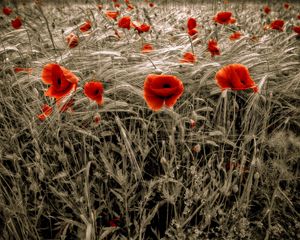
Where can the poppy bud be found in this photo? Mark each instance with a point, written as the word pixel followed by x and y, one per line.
pixel 192 123
pixel 97 118
pixel 235 188
pixel 197 148
pixel 256 176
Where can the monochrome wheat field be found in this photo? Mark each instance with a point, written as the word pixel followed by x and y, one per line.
pixel 92 147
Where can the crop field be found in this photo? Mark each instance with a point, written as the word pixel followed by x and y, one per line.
pixel 149 120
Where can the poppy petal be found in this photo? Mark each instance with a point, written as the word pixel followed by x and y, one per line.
pixel 154 103
pixel 235 77
pixel 70 77
pixel 191 23
pixel 50 71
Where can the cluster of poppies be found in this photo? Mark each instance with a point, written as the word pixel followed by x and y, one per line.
pixel 63 83
pixel 124 22
pixel 159 90
pixel 278 24
pixel 225 18
pixel 16 23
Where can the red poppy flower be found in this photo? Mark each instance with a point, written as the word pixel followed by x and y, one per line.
pixel 286 6
pixel 127 1
pixel 191 23
pixel 267 9
pixel 296 29
pixel 46 111
pixel 224 18
pixel 16 23
pixel 86 26
pixel 277 25
pixel 117 5
pixel 94 91
pixel 213 47
pixel 19 69
pixel 124 22
pixel 72 40
pixel 162 89
pixel 62 80
pixel 151 4
pixel 147 48
pixel 7 10
pixel 192 32
pixel 140 27
pixel 112 15
pixel 235 77
pixel 298 16
pixel 188 57
pixel 235 36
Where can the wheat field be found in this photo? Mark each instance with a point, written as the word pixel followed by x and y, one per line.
pixel 218 164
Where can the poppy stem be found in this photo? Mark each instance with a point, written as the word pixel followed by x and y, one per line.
pixel 152 62
pixel 125 33
pixel 47 24
pixel 192 47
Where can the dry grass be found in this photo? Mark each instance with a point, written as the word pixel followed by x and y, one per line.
pixel 235 175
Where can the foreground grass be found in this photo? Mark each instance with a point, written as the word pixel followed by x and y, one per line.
pixel 141 174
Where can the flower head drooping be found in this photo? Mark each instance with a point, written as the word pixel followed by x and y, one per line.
pixel 277 25
pixel 224 18
pixel 94 91
pixel 141 28
pixel 162 89
pixel 192 32
pixel 188 57
pixel 61 80
pixel 20 69
pixel 46 111
pixel 296 29
pixel 191 23
pixel 112 14
pixel 267 9
pixel 124 22
pixel 235 36
pixel 147 48
pixel 86 26
pixel 286 5
pixel 213 48
pixel 16 23
pixel 235 77
pixel 72 40
pixel 191 26
pixel 7 10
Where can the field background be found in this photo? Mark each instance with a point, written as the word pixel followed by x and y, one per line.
pixel 140 174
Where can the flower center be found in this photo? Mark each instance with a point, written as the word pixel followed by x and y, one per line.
pixel 96 92
pixel 166 85
pixel 58 81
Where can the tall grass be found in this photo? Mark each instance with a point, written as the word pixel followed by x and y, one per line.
pixel 140 174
